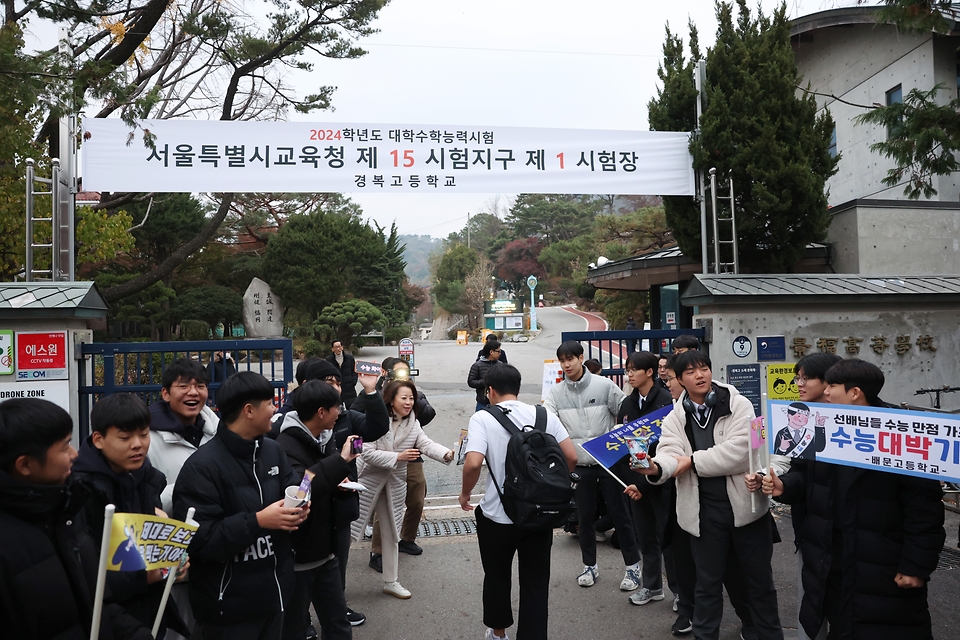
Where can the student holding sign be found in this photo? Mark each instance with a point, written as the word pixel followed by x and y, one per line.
pixel 48 562
pixel 870 539
pixel 650 510
pixel 114 468
pixel 704 445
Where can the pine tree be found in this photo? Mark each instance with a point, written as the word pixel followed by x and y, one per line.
pixel 756 130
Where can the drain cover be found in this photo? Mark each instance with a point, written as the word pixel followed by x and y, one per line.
pixel 452 527
pixel 949 559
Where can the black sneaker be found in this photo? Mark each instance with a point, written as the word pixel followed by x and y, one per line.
pixel 748 633
pixel 408 547
pixel 354 618
pixel 376 562
pixel 682 626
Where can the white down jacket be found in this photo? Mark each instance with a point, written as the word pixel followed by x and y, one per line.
pixel 587 408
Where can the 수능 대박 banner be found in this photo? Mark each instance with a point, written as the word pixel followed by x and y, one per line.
pixel 611 446
pixel 297 157
pixel 916 443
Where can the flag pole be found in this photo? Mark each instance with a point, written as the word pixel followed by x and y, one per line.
pixel 108 512
pixel 171 578
pixel 612 474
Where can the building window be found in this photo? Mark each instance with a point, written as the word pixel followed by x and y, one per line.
pixel 894 96
pixel 832 149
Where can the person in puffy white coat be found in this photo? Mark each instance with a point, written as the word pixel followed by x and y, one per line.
pixel 383 471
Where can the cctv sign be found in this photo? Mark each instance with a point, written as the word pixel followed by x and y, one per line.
pixel 42 356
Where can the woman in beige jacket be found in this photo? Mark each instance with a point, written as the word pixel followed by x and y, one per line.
pixel 383 471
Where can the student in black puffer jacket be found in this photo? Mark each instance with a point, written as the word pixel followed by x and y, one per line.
pixel 48 562
pixel 114 467
pixel 241 561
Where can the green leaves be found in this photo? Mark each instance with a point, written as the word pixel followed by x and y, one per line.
pixel 757 131
pixel 924 138
pixel 345 321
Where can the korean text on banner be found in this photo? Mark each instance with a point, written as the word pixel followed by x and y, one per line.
pixel 296 157
pixel 609 448
pixel 915 443
pixel 139 541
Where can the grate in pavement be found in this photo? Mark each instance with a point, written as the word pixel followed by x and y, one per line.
pixel 452 527
pixel 949 559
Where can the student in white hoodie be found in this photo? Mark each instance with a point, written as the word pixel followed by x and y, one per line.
pixel 704 445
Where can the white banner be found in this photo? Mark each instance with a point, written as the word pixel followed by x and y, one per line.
pixel 292 157
pixel 916 443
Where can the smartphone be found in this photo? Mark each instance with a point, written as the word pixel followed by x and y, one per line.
pixel 356 445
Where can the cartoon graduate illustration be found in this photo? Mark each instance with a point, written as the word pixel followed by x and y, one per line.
pixel 795 439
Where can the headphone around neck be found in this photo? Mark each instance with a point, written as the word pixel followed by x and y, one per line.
pixel 710 400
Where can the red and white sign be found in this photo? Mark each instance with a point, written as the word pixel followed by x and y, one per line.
pixel 42 356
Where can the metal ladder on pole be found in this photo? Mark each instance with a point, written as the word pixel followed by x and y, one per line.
pixel 53 240
pixel 730 221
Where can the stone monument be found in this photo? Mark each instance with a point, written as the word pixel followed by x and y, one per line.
pixel 262 311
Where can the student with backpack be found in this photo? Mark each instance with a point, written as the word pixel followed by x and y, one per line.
pixel 499 537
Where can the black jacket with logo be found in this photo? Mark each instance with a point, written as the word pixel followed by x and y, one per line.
pixel 48 567
pixel 238 570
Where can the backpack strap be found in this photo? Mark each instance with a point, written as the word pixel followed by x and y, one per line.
pixel 512 429
pixel 540 424
pixel 506 422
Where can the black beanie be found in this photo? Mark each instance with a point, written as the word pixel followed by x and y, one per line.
pixel 320 370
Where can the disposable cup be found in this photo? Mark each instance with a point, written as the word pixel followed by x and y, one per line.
pixel 638 448
pixel 293 497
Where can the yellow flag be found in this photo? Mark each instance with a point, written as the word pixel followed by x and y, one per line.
pixel 139 541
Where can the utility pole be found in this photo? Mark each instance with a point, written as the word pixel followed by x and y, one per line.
pixel 700 81
pixel 468 229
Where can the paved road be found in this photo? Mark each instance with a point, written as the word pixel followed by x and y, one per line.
pixel 446 580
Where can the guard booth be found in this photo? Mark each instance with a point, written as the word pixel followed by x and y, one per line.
pixel 42 328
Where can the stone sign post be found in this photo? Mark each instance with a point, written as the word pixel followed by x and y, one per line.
pixel 262 311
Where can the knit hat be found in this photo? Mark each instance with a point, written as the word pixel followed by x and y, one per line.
pixel 322 369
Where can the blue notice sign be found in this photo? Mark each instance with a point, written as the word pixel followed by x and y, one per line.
pixel 772 349
pixel 746 378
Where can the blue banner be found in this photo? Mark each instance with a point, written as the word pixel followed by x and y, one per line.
pixel 609 448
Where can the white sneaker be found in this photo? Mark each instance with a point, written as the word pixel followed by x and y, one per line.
pixel 589 576
pixel 489 636
pixel 368 531
pixel 676 602
pixel 396 590
pixel 645 595
pixel 631 580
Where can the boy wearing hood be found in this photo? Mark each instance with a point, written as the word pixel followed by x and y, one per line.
pixel 241 560
pixel 371 426
pixel 113 466
pixel 48 562
pixel 181 421
pixel 306 436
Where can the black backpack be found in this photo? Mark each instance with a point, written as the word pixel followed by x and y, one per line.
pixel 537 486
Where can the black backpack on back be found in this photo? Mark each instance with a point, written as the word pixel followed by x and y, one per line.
pixel 537 485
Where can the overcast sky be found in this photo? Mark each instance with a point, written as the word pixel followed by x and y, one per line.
pixel 523 63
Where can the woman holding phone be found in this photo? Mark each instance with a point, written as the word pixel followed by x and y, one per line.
pixel 383 471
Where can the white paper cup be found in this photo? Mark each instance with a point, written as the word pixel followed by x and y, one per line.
pixel 290 498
